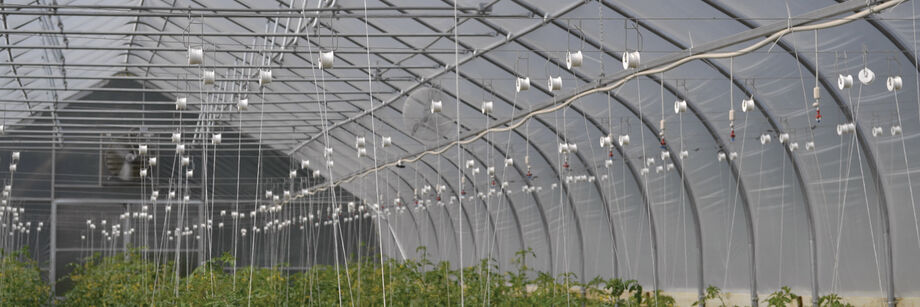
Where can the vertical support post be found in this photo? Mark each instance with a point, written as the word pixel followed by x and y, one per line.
pixel 52 266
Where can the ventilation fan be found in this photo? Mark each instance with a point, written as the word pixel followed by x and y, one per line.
pixel 420 122
pixel 122 162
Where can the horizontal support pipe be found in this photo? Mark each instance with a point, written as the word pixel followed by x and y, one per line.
pixel 178 91
pixel 228 50
pixel 232 34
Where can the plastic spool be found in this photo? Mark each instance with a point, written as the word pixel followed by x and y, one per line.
pixel 360 142
pixel 189 173
pixel 152 161
pixel 180 149
pixel 327 152
pixel 317 173
pixel 216 138
pixel 665 155
pixel 649 161
pixel 643 171
pixel 491 171
pixel 554 83
pixel 242 105
pixel 765 139
pixel 877 131
pixel 176 137
pixel 142 149
pixel 268 194
pixel 670 167
pixel 208 77
pixel 12 167
pixel 720 156
pixel 733 155
pixel 574 59
pixel 181 103
pixel 659 169
pixel 608 163
pixel 844 81
pixel 330 163
pixel 470 163
pixel 866 76
pixel 522 84
pixel 896 130
pixel 362 152
pixel 894 83
pixel 680 106
pixel 630 59
pixel 747 105
pixel 793 146
pixel 623 140
pixel 486 107
pixel 386 141
pixel 810 146
pixel 846 128
pixel 436 106
pixel 195 56
pixel 509 162
pixel 563 148
pixel 186 161
pixel 2 129
pixel 606 141
pixel 731 114
pixel 684 154
pixel 265 77
pixel 326 59
pixel 783 138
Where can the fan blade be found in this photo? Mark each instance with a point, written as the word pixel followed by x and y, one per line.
pixel 125 172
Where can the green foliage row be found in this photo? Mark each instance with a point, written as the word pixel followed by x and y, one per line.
pixel 130 280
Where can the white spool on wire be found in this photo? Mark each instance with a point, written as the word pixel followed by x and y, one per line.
pixel 623 140
pixel 783 137
pixel 470 163
pixel 846 128
pixel 330 163
pixel 436 106
pixel 747 105
pixel 12 167
pixel 491 171
pixel 606 141
pixel 896 130
pixel 844 81
pixel 643 171
pixel 680 106
pixel 180 149
pixel 216 139
pixel 326 59
pixel 866 76
pixel 189 173
pixel 554 83
pixel 142 149
pixel 181 103
pixel 195 56
pixel 522 84
pixel 208 77
pixel 143 172
pixel 362 152
pixel 733 155
pixel 608 163
pixel 176 137
pixel 293 174
pixel 659 169
pixel 486 107
pixel 327 152
pixel 665 155
pixel 304 164
pixel 720 156
pixel 810 146
pixel 573 59
pixel 631 59
pixel 877 131
pixel 649 161
pixel 794 146
pixel 242 104
pixel 317 174
pixel 186 161
pixel 386 141
pixel 894 83
pixel 152 161
pixel 360 142
pixel 509 162
pixel 684 154
pixel 265 77
pixel 765 139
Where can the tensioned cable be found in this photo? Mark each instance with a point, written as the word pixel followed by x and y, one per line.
pixel 917 80
pixel 620 82
pixel 459 151
pixel 370 101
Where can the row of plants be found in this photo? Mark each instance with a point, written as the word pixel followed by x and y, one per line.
pixel 131 280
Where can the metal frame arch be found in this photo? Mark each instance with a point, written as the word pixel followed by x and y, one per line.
pixel 860 136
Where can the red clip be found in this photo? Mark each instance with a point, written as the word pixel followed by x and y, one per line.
pixel 462 192
pixel 733 135
pixel 818 115
pixel 438 198
pixel 565 164
pixel 610 153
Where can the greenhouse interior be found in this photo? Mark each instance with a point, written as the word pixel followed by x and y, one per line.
pixel 459 153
